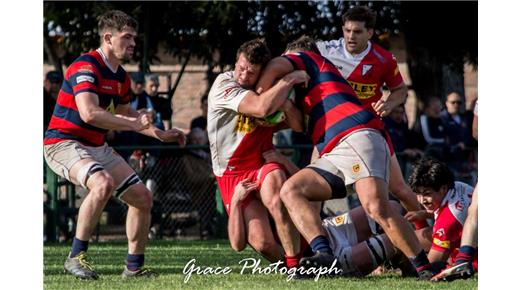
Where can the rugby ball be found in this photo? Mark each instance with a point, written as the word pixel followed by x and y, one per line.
pixel 279 116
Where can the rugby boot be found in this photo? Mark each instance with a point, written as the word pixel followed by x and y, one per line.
pixel 139 273
pixel 80 266
pixel 459 271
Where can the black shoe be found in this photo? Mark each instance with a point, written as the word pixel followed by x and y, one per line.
pixel 460 271
pixel 322 259
pixel 144 272
pixel 425 275
pixel 401 262
pixel 80 266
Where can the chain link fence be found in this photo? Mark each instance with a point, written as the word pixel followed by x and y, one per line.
pixel 186 201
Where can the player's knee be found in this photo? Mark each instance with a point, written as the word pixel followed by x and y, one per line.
pixel 103 186
pixel 274 206
pixel 377 211
pixel 263 246
pixel 288 192
pixel 145 199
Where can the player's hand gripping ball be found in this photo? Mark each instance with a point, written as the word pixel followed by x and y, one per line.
pixel 279 116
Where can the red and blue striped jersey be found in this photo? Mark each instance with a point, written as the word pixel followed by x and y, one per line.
pixel 329 104
pixel 88 73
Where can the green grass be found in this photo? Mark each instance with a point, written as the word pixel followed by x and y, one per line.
pixel 168 258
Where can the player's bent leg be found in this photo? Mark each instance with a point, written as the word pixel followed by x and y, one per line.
pixel 100 184
pixel 90 174
pixel 270 195
pixel 372 192
pixel 259 233
pixel 297 193
pixel 371 253
pixel 400 188
pixel 130 189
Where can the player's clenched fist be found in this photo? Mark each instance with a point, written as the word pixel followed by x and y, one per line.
pixel 142 122
pixel 172 135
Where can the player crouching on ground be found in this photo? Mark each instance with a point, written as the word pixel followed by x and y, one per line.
pixel 437 191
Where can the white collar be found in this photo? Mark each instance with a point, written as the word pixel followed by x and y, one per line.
pixel 359 55
pixel 105 60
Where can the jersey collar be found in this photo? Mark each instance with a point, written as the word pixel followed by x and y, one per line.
pixel 105 60
pixel 357 56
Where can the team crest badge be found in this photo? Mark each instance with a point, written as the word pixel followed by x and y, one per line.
pixel 339 220
pixel 355 168
pixel 366 68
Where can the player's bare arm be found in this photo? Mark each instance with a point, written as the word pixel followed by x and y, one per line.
pixel 92 114
pixel 438 256
pixel 236 224
pixel 270 100
pixel 172 135
pixel 397 96
pixel 277 68
pixel 275 156
pixel 293 116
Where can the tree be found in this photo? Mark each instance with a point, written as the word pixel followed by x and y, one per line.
pixel 213 30
pixel 440 38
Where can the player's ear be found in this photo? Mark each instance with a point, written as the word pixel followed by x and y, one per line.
pixel 444 189
pixel 370 32
pixel 107 38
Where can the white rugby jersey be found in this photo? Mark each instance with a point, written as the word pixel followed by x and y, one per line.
pixel 236 142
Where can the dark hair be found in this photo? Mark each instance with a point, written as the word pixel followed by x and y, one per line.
pixel 362 14
pixel 115 19
pixel 303 43
pixel 431 173
pixel 255 51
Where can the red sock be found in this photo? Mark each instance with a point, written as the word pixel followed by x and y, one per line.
pixel 293 261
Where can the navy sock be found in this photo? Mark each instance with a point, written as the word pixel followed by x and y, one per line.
pixel 77 247
pixel 466 254
pixel 134 262
pixel 420 262
pixel 321 243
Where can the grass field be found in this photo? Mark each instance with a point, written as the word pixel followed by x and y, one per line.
pixel 169 258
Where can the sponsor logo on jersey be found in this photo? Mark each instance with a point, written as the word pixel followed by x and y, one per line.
pixel 331 45
pixel 106 87
pixel 81 79
pixel 440 232
pixel 365 69
pixel 442 244
pixel 245 124
pixel 363 91
pixel 339 220
pixel 355 168
pixel 86 68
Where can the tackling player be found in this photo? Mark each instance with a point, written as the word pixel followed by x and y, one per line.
pixel 351 146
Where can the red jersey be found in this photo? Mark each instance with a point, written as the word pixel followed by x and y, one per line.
pixel 88 73
pixel 450 217
pixel 366 72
